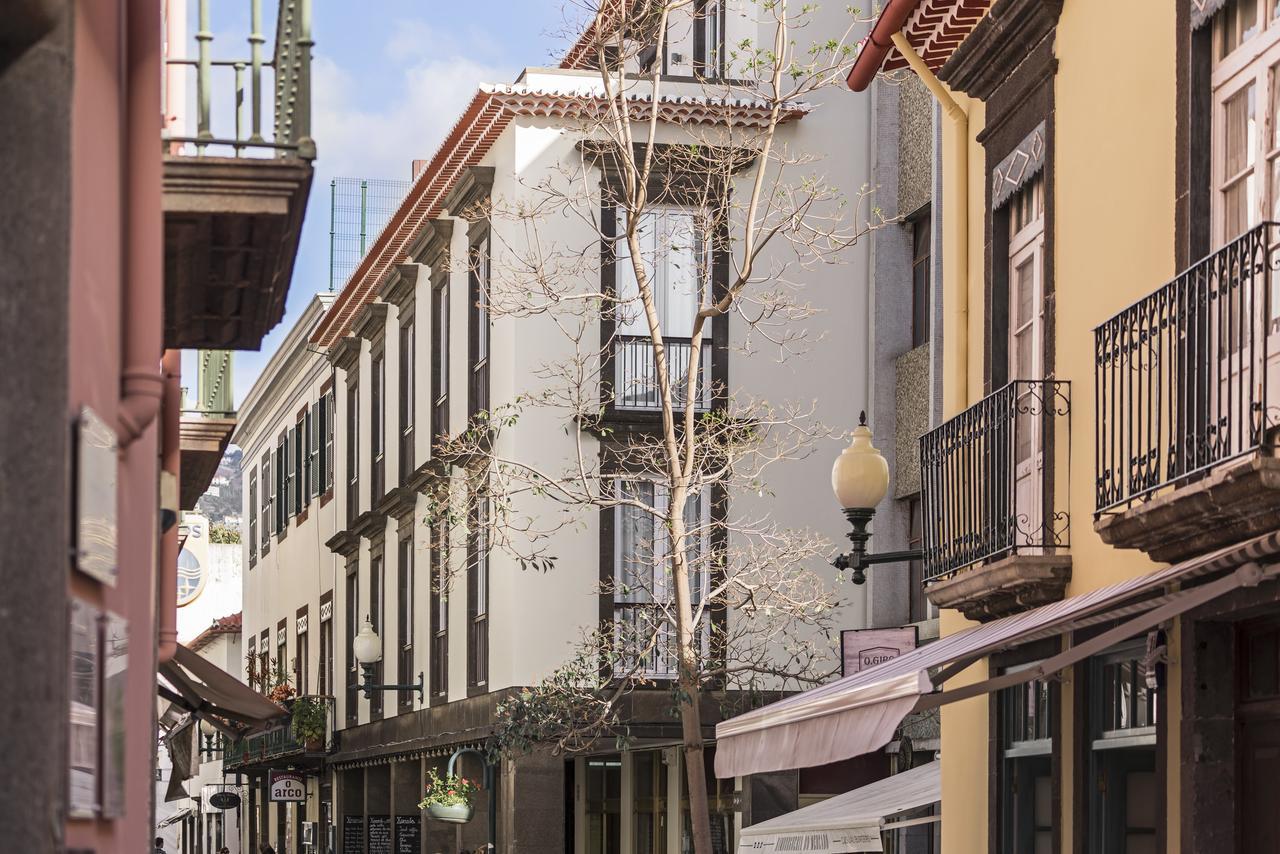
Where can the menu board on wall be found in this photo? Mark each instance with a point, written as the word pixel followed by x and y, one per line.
pixel 408 834
pixel 82 796
pixel 379 834
pixel 352 834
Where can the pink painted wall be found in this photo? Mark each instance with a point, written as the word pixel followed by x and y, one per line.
pixel 116 237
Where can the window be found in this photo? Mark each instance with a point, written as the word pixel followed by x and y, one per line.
pixel 377 429
pixel 268 496
pixel 1123 710
pixel 299 460
pixel 253 517
pixel 406 400
pixel 353 628
pixel 642 575
pixel 1025 765
pixel 251 663
pixel 708 39
pixel 1026 353
pixel 325 672
pixel 440 360
pixel 353 453
pixel 478 318
pixel 921 276
pixel 439 652
pixel 293 456
pixel 283 669
pixel 313 452
pixel 677 265
pixel 328 411
pixel 379 626
pixel 282 485
pixel 301 683
pixel 404 618
pixel 478 597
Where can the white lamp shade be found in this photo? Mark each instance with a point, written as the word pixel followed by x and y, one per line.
pixel 367 645
pixel 207 728
pixel 860 476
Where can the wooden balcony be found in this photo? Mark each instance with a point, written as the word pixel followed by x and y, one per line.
pixel 1187 384
pixel 202 442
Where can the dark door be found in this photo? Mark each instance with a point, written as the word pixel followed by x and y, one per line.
pixel 1258 736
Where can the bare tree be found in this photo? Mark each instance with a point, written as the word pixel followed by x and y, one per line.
pixel 682 210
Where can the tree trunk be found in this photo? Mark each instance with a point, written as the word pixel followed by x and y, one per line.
pixel 695 766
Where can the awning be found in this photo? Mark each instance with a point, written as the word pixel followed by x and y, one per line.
pixel 859 713
pixel 201 687
pixel 851 822
pixel 176 817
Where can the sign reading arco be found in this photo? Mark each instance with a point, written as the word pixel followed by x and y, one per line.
pixel 287 786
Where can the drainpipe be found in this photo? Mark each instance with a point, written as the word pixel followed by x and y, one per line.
pixel 955 340
pixel 141 383
pixel 170 464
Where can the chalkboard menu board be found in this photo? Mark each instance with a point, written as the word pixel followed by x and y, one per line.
pixel 379 834
pixel 408 834
pixel 352 834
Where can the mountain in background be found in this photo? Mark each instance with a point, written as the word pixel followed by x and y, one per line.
pixel 221 503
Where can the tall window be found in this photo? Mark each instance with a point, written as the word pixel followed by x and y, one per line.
pixel 1026 352
pixel 313 451
pixel 478 318
pixel 251 663
pixel 376 595
pixel 708 39
pixel 377 429
pixel 642 571
pixel 439 652
pixel 1123 710
pixel 677 264
pixel 353 628
pixel 324 675
pixel 268 496
pixel 404 617
pixel 300 453
pixel 921 272
pixel 282 649
pixel 440 360
pixel 478 597
pixel 300 681
pixel 406 400
pixel 282 484
pixel 253 517
pixel 1025 766
pixel 353 453
pixel 328 412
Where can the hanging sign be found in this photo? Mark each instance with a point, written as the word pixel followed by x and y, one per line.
pixel 224 800
pixel 861 649
pixel 287 786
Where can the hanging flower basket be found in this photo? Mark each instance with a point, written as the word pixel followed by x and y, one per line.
pixel 448 798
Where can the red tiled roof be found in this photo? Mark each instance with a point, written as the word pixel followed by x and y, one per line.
pixel 482 122
pixel 935 28
pixel 228 625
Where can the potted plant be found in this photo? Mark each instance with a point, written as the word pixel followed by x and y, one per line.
pixel 281 691
pixel 448 798
pixel 310 716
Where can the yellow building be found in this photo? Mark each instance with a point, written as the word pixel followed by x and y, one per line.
pixel 1100 504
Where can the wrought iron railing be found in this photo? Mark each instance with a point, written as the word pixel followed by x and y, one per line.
pixel 280 741
pixel 995 478
pixel 290 65
pixel 646 640
pixel 635 374
pixel 1185 377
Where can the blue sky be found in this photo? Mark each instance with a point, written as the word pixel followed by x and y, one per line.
pixel 389 79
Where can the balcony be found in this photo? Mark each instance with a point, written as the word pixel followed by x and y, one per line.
pixel 233 199
pixel 1187 384
pixel 634 375
pixel 205 431
pixel 994 498
pixel 279 746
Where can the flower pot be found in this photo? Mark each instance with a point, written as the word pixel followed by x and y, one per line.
pixel 451 813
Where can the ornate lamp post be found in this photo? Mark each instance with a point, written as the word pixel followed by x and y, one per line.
pixel 368 650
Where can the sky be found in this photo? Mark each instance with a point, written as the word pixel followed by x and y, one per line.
pixel 389 79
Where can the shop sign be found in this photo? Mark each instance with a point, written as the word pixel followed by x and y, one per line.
pixel 408 834
pixel 223 800
pixel 287 786
pixel 861 649
pixel 851 840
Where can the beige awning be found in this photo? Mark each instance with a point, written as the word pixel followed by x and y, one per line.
pixel 859 713
pixel 200 686
pixel 851 822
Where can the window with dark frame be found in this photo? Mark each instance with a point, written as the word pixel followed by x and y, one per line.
pixel 313 452
pixel 299 464
pixel 404 618
pixel 268 496
pixel 329 412
pixel 709 53
pixel 376 614
pixel 377 429
pixel 440 360
pixel 478 597
pixel 282 485
pixel 283 667
pixel 921 277
pixel 1025 765
pixel 478 320
pixel 353 453
pixel 353 628
pixel 301 683
pixel 251 663
pixel 253 517
pixel 439 652
pixel 918 603
pixel 406 400
pixel 325 673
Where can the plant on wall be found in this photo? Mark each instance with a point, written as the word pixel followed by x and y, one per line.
pixel 309 719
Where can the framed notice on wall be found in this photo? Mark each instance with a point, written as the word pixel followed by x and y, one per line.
pixel 861 649
pixel 353 834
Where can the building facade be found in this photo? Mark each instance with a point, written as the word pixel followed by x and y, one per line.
pixel 344 475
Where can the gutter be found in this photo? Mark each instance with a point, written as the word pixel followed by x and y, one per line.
pixel 879 41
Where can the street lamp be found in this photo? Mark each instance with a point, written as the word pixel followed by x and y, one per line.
pixel 367 647
pixel 210 732
pixel 860 480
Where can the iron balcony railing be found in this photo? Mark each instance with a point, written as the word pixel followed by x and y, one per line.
pixel 995 477
pixel 647 643
pixel 280 741
pixel 635 374
pixel 1185 378
pixel 290 65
